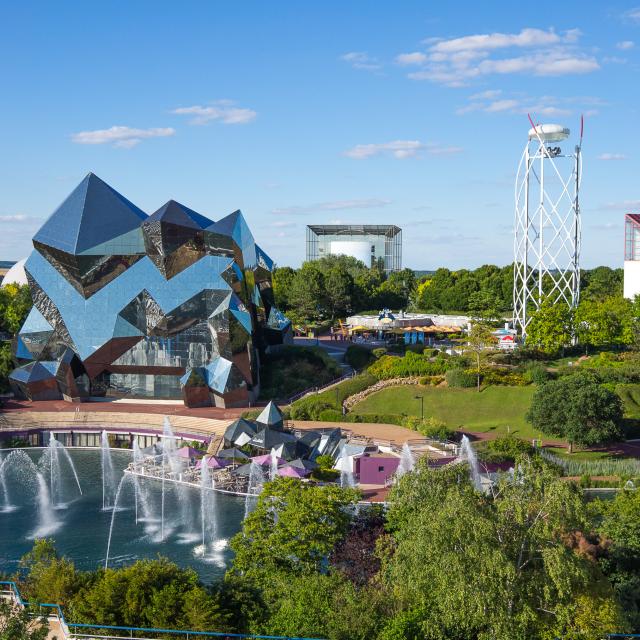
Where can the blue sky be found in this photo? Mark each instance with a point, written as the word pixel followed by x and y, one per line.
pixel 359 112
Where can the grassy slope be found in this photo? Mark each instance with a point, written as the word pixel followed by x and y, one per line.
pixel 494 409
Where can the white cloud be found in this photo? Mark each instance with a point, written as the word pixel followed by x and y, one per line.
pixel 485 42
pixel 632 14
pixel 335 205
pixel 458 61
pixel 548 106
pixel 123 137
pixel 223 111
pixel 19 218
pixel 612 156
pixel 625 45
pixel 411 58
pixel 361 60
pixel 397 148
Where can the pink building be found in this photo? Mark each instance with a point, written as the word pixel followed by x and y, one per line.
pixel 375 468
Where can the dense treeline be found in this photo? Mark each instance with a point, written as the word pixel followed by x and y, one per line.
pixel 335 286
pixel 531 560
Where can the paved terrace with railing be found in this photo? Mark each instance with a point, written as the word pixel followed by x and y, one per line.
pixel 62 629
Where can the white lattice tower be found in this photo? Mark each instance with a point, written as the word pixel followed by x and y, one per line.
pixel 547 224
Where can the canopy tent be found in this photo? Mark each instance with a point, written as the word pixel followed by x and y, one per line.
pixel 188 452
pixel 360 327
pixel 293 472
pixel 265 460
pixel 213 463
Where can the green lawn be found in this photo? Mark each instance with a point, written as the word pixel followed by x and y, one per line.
pixel 497 409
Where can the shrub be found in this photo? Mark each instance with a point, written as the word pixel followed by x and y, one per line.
pixel 507 448
pixel 459 378
pixel 536 373
pixel 411 364
pixel 358 357
pixel 324 461
pixel 429 428
pixel 431 380
pixel 330 415
pixel 325 475
pixel 379 352
pixel 505 377
pixel 309 408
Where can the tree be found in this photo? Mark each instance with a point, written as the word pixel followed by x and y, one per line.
pixel 600 283
pixel 307 295
pixel 339 290
pixel 459 564
pixel 49 578
pixel 293 528
pixel 577 408
pixel 620 525
pixel 148 593
pixel 282 281
pixel 605 322
pixel 18 624
pixel 480 338
pixel 551 326
pixel 15 304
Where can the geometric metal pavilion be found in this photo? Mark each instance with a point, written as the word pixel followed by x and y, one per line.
pixel 162 306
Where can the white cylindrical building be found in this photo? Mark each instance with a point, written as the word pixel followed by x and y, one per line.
pixel 547 223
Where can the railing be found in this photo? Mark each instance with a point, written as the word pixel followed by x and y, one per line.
pixel 311 390
pixel 76 631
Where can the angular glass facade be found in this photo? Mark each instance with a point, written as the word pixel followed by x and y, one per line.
pixel 162 306
pixel 377 246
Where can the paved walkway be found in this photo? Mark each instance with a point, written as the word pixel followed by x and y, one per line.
pixel 216 413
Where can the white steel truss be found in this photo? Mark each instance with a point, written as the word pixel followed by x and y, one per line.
pixel 547 229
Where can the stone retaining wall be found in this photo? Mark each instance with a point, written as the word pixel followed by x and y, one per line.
pixel 353 400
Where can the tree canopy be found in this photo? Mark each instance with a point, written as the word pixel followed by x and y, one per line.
pixel 577 408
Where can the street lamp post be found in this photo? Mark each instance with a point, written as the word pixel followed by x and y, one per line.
pixel 421 398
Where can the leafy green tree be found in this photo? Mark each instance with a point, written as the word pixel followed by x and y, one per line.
pixel 461 565
pixel 479 340
pixel 396 291
pixel 15 304
pixel 319 606
pixel 620 523
pixel 293 528
pixel 17 624
pixel 148 593
pixel 577 408
pixel 307 293
pixel 605 322
pixel 600 283
pixel 49 578
pixel 339 291
pixel 282 280
pixel 551 327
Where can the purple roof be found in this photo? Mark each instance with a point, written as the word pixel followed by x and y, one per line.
pixel 214 463
pixel 293 472
pixel 188 452
pixel 265 460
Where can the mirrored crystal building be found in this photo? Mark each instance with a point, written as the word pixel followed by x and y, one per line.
pixel 171 305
